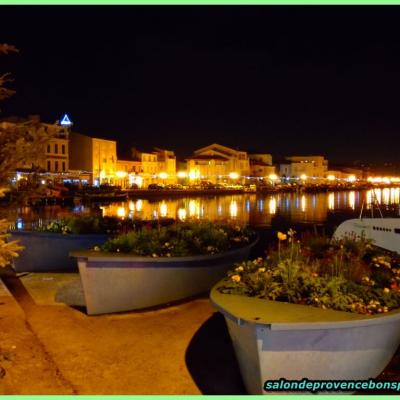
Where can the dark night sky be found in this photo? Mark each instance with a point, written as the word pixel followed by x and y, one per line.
pixel 285 80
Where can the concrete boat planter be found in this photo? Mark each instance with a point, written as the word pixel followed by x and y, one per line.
pixel 46 251
pixel 274 340
pixel 115 283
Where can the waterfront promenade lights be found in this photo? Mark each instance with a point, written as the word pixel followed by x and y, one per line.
pixel 351 178
pixel 331 178
pixel 273 178
pixel 164 176
pixel 233 175
pixel 193 175
pixel 303 177
pixel 121 175
pixel 135 180
pixel 181 174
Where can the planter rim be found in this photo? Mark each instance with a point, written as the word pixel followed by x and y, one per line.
pixel 277 315
pixel 91 255
pixel 58 235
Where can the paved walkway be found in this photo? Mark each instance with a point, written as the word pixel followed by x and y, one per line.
pixel 48 347
pixel 152 352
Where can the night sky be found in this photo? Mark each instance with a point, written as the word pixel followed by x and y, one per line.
pixel 284 80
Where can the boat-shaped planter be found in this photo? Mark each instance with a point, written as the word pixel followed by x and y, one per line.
pixel 274 340
pixel 122 282
pixel 45 251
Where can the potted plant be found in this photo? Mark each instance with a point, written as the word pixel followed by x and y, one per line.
pixel 325 310
pixel 47 247
pixel 154 266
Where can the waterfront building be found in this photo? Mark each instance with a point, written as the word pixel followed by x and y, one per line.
pixel 54 157
pixel 261 166
pixel 216 163
pixel 129 174
pixel 166 166
pixel 95 156
pixel 304 167
pixel 149 166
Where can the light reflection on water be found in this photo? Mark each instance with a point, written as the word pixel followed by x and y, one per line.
pixel 247 208
pixel 259 210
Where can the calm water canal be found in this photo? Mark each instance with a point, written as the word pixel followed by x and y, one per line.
pixel 275 211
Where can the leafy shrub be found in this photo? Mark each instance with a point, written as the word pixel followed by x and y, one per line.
pixel 343 275
pixel 89 225
pixel 182 239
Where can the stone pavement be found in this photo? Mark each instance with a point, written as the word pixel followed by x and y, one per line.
pixel 48 347
pixel 174 350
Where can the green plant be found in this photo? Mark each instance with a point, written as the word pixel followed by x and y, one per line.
pixel 181 239
pixel 343 275
pixel 89 225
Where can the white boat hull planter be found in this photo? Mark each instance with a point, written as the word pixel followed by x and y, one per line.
pixel 274 340
pixel 115 283
pixel 46 252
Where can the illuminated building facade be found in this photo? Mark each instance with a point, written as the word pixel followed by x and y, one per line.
pixel 166 165
pixel 216 163
pixel 129 174
pixel 304 167
pixel 94 155
pixel 55 155
pixel 261 165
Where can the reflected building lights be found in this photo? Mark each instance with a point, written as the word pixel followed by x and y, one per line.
pixel 182 214
pixel 163 209
pixel 352 200
pixel 139 205
pixel 368 199
pixel 386 196
pixel 272 205
pixel 121 212
pixel 245 209
pixel 378 195
pixel 331 201
pixel 303 203
pixel 233 209
pixel 194 208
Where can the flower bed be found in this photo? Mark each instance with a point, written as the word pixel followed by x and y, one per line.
pixel 318 309
pixel 344 275
pixel 180 240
